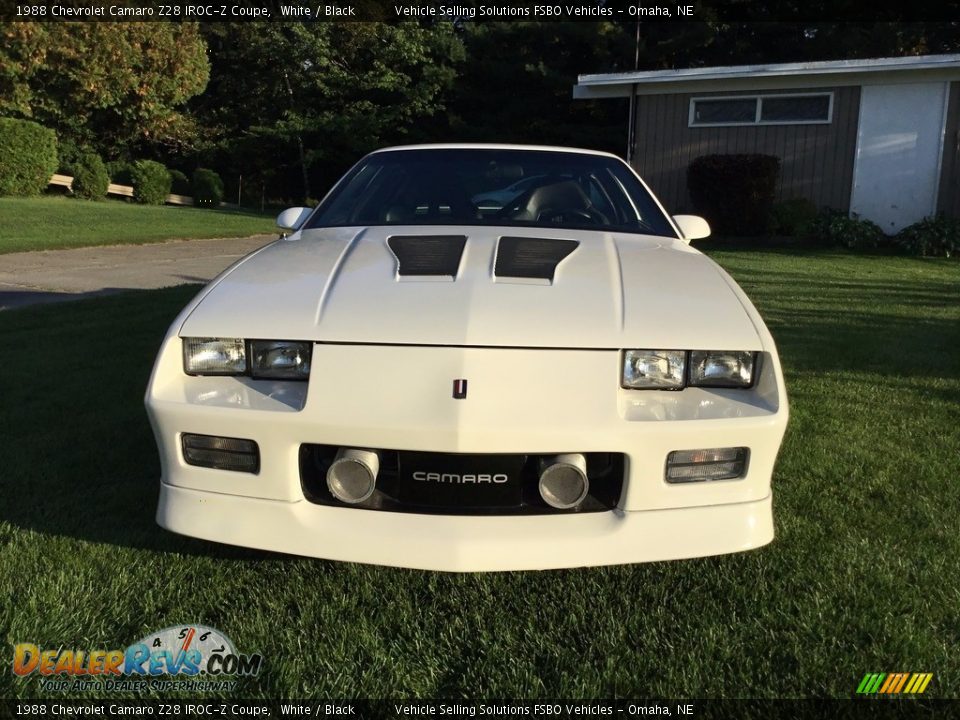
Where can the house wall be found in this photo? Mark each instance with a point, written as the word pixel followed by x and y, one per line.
pixel 817 160
pixel 948 201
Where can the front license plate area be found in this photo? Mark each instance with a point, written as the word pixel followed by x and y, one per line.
pixel 448 480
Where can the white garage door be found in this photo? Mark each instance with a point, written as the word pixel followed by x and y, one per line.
pixel 899 145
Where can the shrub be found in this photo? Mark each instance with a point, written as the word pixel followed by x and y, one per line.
pixel 90 178
pixel 734 192
pixel 834 227
pixel 793 217
pixel 28 157
pixel 151 182
pixel 180 184
pixel 119 172
pixel 207 187
pixel 931 237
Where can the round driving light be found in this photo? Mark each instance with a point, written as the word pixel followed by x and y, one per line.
pixel 563 481
pixel 352 476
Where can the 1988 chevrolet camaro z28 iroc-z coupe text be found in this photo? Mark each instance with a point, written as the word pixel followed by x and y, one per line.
pixel 443 367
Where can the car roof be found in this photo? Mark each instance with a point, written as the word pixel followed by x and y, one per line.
pixel 495 146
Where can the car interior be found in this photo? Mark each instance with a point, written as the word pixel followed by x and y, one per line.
pixel 550 190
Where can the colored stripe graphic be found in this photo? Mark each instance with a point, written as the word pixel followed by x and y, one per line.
pixel 915 682
pixel 891 678
pixel 894 683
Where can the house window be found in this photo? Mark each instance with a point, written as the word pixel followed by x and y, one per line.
pixel 761 110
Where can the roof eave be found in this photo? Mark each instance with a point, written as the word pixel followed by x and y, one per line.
pixel 767 77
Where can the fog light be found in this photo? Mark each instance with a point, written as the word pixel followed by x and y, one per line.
pixel 563 481
pixel 707 464
pixel 220 453
pixel 352 476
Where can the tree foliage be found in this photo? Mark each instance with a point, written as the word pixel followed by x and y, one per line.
pixel 340 89
pixel 712 40
pixel 517 85
pixel 109 86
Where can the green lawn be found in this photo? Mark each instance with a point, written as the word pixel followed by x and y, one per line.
pixel 48 223
pixel 863 575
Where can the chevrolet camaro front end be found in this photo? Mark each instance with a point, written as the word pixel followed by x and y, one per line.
pixel 430 373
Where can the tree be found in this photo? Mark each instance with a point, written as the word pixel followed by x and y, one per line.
pixel 341 89
pixel 517 85
pixel 109 86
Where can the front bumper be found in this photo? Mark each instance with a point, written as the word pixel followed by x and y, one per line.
pixel 459 543
pixel 525 401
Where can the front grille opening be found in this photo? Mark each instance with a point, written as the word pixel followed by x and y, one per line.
pixel 396 491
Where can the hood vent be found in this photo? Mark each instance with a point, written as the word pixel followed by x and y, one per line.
pixel 427 254
pixel 525 257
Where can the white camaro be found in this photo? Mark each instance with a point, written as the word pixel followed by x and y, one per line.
pixel 414 379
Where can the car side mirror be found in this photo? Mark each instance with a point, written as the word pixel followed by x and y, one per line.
pixel 293 218
pixel 692 227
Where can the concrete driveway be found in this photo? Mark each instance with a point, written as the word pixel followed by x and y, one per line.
pixel 30 278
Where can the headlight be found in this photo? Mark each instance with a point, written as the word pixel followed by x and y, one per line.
pixel 721 369
pixel 653 369
pixel 214 356
pixel 283 359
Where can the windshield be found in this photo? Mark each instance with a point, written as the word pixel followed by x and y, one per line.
pixel 523 188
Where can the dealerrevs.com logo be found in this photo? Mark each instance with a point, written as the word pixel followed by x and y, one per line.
pixel 186 657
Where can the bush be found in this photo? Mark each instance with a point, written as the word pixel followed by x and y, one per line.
pixel 793 217
pixel 180 184
pixel 207 187
pixel 151 182
pixel 734 192
pixel 834 227
pixel 931 237
pixel 119 172
pixel 90 178
pixel 28 157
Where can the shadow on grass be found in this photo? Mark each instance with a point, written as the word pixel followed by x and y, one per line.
pixel 78 455
pixel 898 327
pixel 15 299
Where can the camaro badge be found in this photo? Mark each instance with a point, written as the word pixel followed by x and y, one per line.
pixel 459 389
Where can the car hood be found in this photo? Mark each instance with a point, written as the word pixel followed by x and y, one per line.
pixel 343 285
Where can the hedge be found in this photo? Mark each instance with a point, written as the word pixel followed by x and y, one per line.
pixel 207 187
pixel 28 157
pixel 734 193
pixel 151 182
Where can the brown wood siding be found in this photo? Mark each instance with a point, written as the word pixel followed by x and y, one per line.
pixel 948 200
pixel 817 160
